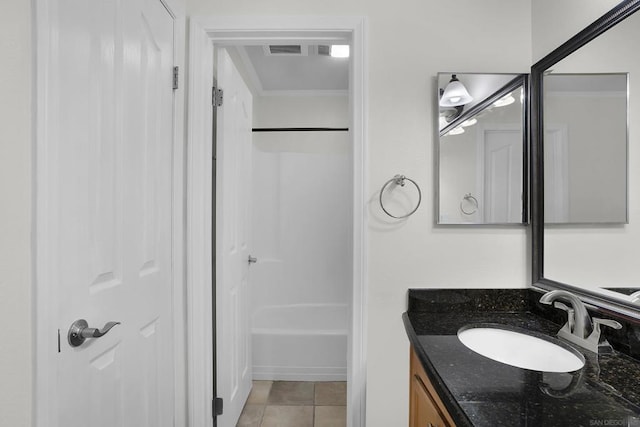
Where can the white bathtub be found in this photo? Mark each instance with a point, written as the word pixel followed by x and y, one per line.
pixel 302 342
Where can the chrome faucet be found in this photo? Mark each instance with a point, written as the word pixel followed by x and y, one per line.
pixel 580 329
pixel 580 318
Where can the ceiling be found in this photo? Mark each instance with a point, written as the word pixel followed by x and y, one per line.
pixel 311 70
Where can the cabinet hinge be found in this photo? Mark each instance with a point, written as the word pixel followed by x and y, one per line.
pixel 217 406
pixel 176 73
pixel 216 96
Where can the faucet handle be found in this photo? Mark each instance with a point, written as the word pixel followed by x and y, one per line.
pixel 599 341
pixel 605 322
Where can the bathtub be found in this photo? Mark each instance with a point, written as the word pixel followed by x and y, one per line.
pixel 302 342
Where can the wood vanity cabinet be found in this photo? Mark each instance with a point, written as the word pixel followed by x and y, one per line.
pixel 425 407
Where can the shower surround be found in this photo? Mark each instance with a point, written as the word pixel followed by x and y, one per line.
pixel 300 285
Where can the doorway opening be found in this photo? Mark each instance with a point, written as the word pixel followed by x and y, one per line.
pixel 298 293
pixel 209 38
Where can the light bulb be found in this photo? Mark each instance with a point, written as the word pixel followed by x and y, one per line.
pixel 339 51
pixel 504 101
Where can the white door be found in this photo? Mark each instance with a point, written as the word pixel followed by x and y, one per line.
pixel 502 176
pixel 109 172
pixel 232 244
pixel 556 175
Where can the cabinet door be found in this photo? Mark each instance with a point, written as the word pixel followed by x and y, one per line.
pixel 425 406
pixel 424 412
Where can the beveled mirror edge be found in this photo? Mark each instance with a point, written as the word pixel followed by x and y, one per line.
pixel 608 304
pixel 520 80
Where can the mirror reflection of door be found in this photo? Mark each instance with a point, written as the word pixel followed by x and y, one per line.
pixel 556 179
pixel 502 175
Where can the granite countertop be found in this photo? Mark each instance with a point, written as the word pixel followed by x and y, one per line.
pixel 478 391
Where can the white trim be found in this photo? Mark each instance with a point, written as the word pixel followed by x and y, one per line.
pixel 306 93
pixel 480 181
pixel 257 29
pixel 44 395
pixel 357 361
pixel 178 235
pixel 45 298
pixel 199 214
pixel 298 373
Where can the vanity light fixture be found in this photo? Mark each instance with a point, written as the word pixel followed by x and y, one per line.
pixel 472 121
pixel 456 131
pixel 504 101
pixel 455 94
pixel 339 50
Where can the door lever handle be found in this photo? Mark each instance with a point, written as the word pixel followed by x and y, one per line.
pixel 252 260
pixel 80 331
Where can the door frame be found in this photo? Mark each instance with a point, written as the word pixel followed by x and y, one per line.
pixel 45 297
pixel 204 31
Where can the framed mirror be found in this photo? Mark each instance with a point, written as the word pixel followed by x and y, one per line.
pixel 481 152
pixel 585 180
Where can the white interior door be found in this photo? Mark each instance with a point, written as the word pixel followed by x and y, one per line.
pixel 232 246
pixel 556 174
pixel 502 176
pixel 109 172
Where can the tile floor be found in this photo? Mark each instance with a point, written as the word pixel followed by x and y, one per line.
pixel 295 404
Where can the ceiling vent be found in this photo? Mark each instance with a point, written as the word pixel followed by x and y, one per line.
pixel 324 50
pixel 285 50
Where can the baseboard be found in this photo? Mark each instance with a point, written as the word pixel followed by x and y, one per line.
pixel 295 373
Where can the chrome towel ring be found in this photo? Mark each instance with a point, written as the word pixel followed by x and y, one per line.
pixel 400 181
pixel 472 201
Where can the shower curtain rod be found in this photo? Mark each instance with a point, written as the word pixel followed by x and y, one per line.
pixel 311 129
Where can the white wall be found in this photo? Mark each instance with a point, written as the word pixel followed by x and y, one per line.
pixel 409 43
pixel 553 22
pixel 15 213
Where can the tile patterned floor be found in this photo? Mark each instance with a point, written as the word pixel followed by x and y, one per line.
pixel 295 404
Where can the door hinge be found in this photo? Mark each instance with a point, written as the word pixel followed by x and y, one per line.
pixel 216 96
pixel 217 406
pixel 176 73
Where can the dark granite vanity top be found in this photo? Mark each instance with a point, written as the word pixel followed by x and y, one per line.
pixel 478 391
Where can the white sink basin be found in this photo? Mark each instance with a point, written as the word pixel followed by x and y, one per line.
pixel 520 349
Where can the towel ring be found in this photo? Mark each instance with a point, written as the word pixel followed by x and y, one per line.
pixel 468 197
pixel 400 180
